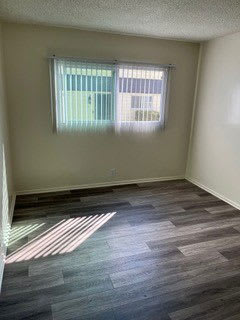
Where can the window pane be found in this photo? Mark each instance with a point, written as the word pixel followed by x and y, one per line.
pixel 85 94
pixel 140 94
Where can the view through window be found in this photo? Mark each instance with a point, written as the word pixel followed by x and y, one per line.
pixel 91 95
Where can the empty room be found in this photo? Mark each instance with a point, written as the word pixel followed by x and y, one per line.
pixel 120 160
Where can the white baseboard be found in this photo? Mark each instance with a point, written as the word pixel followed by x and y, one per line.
pixel 98 185
pixel 4 253
pixel 213 192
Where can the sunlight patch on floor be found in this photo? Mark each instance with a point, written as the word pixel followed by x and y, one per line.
pixel 19 232
pixel 63 237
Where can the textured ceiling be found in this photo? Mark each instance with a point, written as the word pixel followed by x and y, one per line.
pixel 177 19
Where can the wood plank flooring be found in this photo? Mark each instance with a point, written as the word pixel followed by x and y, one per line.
pixel 159 251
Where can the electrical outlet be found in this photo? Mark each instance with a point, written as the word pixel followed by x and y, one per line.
pixel 113 172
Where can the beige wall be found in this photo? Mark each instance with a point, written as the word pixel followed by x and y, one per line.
pixel 42 159
pixel 6 187
pixel 215 149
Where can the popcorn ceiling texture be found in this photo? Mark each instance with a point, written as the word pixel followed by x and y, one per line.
pixel 178 19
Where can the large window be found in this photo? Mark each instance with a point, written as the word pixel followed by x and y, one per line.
pixel 89 95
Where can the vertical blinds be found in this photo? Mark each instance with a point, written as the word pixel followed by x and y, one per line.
pixel 141 97
pixel 84 95
pixel 97 96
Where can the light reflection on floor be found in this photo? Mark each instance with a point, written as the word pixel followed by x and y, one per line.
pixel 63 237
pixel 19 232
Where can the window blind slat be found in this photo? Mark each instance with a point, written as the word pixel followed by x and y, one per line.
pixel 86 95
pixel 91 98
pixel 65 94
pixel 76 92
pixel 154 100
pixel 70 96
pixel 101 94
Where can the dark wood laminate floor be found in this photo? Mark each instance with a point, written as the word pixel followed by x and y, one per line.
pixel 165 250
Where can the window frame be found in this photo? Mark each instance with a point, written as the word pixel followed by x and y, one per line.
pixel 164 96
